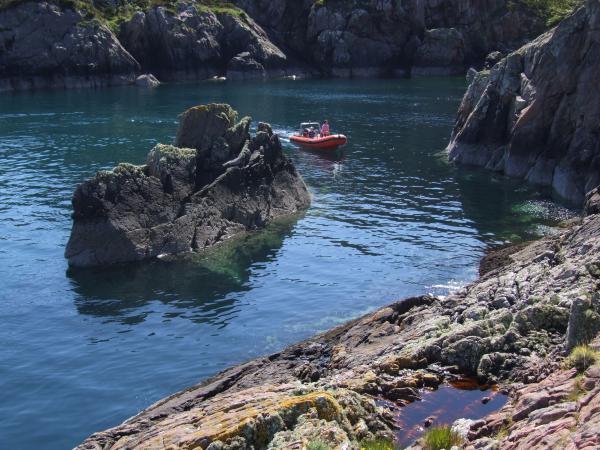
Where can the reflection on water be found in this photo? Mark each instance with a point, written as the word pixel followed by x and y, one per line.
pixel 195 286
pixel 81 351
pixel 503 219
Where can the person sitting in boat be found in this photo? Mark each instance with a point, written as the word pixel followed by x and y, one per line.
pixel 325 128
pixel 305 132
pixel 311 132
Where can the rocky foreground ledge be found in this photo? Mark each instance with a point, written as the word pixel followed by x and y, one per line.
pixel 217 181
pixel 514 326
pixel 536 114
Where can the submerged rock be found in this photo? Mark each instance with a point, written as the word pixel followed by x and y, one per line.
pixel 186 197
pixel 535 114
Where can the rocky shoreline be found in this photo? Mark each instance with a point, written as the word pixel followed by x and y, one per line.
pixel 77 43
pixel 513 326
pixel 531 114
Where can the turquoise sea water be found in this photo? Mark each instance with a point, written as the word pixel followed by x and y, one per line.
pixel 81 351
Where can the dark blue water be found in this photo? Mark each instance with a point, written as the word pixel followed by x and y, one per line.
pixel 81 351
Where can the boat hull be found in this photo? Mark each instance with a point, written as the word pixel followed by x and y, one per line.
pixel 330 142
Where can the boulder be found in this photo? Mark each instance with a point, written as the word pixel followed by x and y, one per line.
pixel 492 59
pixel 535 114
pixel 244 67
pixel 147 81
pixel 186 197
pixel 592 202
pixel 584 321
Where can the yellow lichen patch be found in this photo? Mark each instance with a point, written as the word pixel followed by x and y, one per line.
pixel 360 382
pixel 324 403
pixel 253 414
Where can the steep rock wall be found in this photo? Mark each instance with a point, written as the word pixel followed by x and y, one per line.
pixel 536 113
pixel 69 43
pixel 45 45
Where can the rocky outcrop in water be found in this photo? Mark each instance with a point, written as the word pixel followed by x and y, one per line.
pixel 217 181
pixel 45 45
pixel 64 43
pixel 536 114
pixel 510 326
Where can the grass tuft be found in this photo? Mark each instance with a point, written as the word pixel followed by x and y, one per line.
pixel 317 444
pixel 441 437
pixel 113 17
pixel 552 11
pixel 582 357
pixel 378 444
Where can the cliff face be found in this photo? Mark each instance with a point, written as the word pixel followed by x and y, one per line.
pixel 216 182
pixel 536 113
pixel 200 44
pixel 65 43
pixel 375 37
pixel 44 45
pixel 514 324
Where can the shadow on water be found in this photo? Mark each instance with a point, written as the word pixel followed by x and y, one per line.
pixel 203 286
pixel 507 210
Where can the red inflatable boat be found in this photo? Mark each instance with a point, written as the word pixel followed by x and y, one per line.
pixel 318 142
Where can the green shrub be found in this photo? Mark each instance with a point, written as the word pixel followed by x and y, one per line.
pixel 552 11
pixel 115 16
pixel 582 357
pixel 317 444
pixel 378 444
pixel 437 438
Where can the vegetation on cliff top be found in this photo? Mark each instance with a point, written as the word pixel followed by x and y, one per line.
pixel 113 17
pixel 552 11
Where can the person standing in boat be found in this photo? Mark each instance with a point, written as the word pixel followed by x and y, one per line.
pixel 325 128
